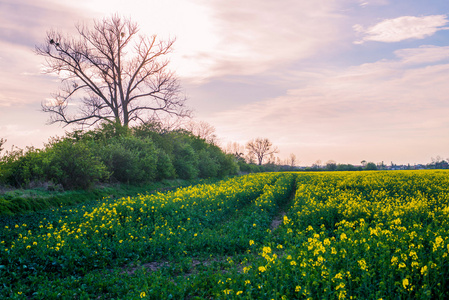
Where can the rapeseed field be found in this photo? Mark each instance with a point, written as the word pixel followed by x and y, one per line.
pixel 329 235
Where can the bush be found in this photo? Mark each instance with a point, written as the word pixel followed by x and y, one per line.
pixel 73 164
pixel 208 165
pixel 130 159
pixel 186 161
pixel 370 166
pixel 165 168
pixel 228 164
pixel 117 154
pixel 21 167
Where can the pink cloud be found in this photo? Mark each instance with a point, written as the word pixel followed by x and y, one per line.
pixel 402 28
pixel 382 104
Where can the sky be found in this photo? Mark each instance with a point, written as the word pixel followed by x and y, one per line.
pixel 341 80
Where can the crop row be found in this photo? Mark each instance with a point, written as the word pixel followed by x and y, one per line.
pixel 359 235
pixel 377 235
pixel 205 219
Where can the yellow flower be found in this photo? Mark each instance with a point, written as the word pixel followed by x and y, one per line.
pixel 424 270
pixel 239 292
pixel 293 263
pixel 142 295
pixel 262 269
pixel 297 288
pixel 438 241
pixel 343 236
pixel 405 283
pixel 362 264
pixel 251 242
pixel 247 282
pixel 394 260
pixel 227 291
pixel 338 276
pixel 266 250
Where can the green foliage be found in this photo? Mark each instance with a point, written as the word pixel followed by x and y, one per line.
pixel 228 165
pixel 370 166
pixel 249 168
pixel 186 161
pixel 208 166
pixel 347 167
pixel 20 167
pixel 165 168
pixel 130 159
pixel 116 154
pixel 73 164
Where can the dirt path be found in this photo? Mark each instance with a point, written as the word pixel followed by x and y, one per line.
pixel 277 221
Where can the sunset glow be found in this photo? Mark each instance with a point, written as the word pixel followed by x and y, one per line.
pixel 326 80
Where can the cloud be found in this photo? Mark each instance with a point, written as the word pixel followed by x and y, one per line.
pixel 25 22
pixel 373 2
pixel 402 28
pixel 357 111
pixel 423 54
pixel 24 25
pixel 255 36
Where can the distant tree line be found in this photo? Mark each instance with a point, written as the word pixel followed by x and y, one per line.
pixel 115 154
pixel 333 166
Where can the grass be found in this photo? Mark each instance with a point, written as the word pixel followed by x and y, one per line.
pixel 20 201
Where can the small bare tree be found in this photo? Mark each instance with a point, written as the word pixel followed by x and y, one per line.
pixel 291 160
pixel 203 130
pixel 110 73
pixel 261 148
pixel 235 149
pixel 2 142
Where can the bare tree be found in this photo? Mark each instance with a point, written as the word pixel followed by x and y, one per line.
pixel 203 130
pixel 317 164
pixel 235 149
pixel 250 158
pixel 331 165
pixel 261 148
pixel 110 73
pixel 273 160
pixel 291 160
